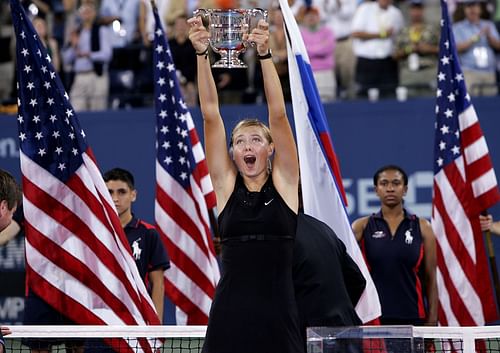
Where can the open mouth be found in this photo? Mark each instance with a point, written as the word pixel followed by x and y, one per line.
pixel 249 160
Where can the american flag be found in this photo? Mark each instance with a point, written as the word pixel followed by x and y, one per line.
pixel 77 256
pixel 184 194
pixel 464 185
pixel 322 191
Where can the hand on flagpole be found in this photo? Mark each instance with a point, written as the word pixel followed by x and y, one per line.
pixel 198 34
pixel 487 224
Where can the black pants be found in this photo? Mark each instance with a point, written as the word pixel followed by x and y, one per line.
pixel 377 73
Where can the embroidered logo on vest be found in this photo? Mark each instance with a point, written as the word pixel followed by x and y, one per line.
pixel 408 237
pixel 378 234
pixel 136 250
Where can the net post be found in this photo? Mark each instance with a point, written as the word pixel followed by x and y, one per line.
pixel 468 341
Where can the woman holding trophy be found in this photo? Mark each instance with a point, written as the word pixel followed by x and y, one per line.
pixel 256 183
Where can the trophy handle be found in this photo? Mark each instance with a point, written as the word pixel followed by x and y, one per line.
pixel 254 13
pixel 259 11
pixel 200 12
pixel 205 15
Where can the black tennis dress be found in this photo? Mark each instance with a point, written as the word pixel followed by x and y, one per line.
pixel 254 309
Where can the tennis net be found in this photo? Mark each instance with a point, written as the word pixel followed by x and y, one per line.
pixel 105 339
pixel 189 339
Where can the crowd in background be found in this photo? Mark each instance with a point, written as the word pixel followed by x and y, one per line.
pixel 102 48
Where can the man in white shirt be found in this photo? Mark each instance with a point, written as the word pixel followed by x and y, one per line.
pixel 374 28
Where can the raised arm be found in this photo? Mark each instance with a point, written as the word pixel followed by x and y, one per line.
pixel 285 172
pixel 221 168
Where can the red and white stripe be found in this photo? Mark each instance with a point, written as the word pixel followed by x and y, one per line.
pixel 77 256
pixel 461 191
pixel 183 222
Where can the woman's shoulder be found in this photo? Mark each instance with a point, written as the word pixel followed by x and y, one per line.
pixel 359 226
pixel 361 221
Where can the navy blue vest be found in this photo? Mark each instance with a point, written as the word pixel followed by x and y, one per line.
pixel 395 263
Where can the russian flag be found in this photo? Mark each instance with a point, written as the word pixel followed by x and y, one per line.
pixel 322 191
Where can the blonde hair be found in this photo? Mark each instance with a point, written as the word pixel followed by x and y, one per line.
pixel 250 123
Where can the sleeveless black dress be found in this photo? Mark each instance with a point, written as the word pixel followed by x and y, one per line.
pixel 254 310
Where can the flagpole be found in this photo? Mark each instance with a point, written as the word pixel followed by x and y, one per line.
pixel 493 266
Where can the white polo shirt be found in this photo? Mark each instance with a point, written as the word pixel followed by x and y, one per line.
pixel 371 18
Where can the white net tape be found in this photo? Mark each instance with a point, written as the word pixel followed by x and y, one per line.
pixel 177 339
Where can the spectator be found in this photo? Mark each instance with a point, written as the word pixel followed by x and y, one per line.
pixel 397 247
pixel 179 7
pixel 496 14
pixel 14 228
pixel 41 8
pixel 184 58
pixel 71 21
pixel 90 53
pixel 123 16
pixel 320 44
pixel 6 56
pixel 147 248
pixel 338 15
pixel 375 27
pixel 48 41
pixel 70 17
pixel 10 197
pixel 477 39
pixel 417 48
pixel 146 19
pixel 488 224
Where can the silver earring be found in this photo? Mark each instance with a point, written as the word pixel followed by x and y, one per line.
pixel 269 166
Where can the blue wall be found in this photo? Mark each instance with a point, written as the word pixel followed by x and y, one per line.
pixel 365 136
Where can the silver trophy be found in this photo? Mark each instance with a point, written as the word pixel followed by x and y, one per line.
pixel 228 31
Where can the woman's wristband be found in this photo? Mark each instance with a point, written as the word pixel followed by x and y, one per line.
pixel 204 53
pixel 269 55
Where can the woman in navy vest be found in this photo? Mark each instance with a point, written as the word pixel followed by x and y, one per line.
pixel 400 250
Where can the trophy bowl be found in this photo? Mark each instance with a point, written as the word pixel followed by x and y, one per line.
pixel 228 32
